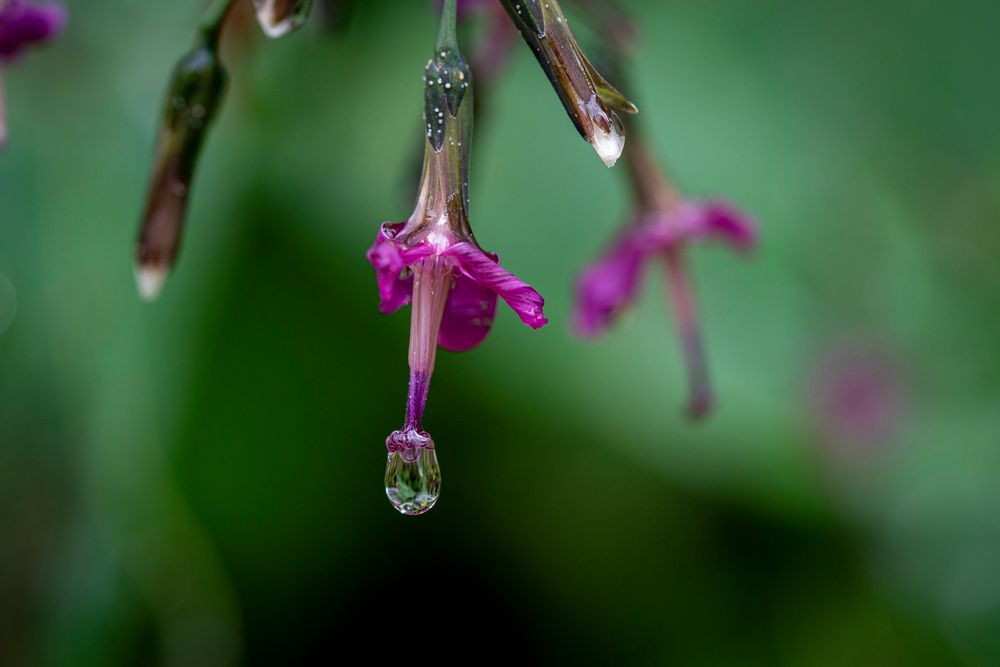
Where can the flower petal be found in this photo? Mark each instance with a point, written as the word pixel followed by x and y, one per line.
pixel 468 315
pixel 689 221
pixel 485 271
pixel 727 224
pixel 611 283
pixel 389 258
pixel 22 24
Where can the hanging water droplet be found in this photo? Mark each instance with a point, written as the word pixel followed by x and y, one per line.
pixel 608 134
pixel 413 486
pixel 277 18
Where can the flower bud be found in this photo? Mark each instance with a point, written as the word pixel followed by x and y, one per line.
pixel 277 18
pixel 589 99
pixel 194 96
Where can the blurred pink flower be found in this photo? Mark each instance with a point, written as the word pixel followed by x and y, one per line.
pixel 857 395
pixel 661 227
pixel 23 25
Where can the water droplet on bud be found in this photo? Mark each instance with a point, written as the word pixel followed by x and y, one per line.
pixel 413 486
pixel 277 18
pixel 608 136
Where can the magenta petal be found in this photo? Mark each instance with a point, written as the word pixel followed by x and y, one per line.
pixel 389 258
pixel 730 225
pixel 713 221
pixel 484 270
pixel 22 25
pixel 468 315
pixel 610 284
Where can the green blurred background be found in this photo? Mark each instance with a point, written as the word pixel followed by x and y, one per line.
pixel 199 481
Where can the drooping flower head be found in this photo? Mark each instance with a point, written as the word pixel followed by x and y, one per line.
pixel 22 26
pixel 433 262
pixel 591 102
pixel 661 228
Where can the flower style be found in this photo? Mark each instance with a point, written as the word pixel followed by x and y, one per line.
pixel 433 262
pixel 589 99
pixel 661 227
pixel 23 25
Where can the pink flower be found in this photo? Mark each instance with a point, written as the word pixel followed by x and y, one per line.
pixel 433 262
pixel 662 226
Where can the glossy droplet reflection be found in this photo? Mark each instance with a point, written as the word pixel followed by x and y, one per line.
pixel 277 18
pixel 413 486
pixel 608 137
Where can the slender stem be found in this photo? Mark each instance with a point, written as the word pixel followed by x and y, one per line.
pixel 215 18
pixel 686 318
pixel 650 185
pixel 416 400
pixel 448 36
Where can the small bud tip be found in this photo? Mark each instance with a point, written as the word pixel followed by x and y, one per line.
pixel 609 147
pixel 149 280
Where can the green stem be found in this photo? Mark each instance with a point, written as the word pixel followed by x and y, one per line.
pixel 215 18
pixel 448 36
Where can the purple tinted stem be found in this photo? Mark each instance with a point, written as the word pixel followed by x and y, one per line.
pixel 682 299
pixel 432 280
pixel 420 383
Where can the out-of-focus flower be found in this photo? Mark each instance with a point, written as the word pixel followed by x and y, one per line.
pixel 277 18
pixel 857 396
pixel 23 25
pixel 591 102
pixel 662 225
pixel 194 97
pixel 433 262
